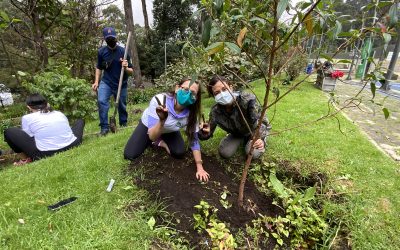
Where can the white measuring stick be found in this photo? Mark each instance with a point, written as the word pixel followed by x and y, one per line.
pixel 110 185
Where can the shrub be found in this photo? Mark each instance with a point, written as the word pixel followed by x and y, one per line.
pixel 70 95
pixel 7 123
pixel 186 67
pixel 296 66
pixel 13 111
pixel 136 96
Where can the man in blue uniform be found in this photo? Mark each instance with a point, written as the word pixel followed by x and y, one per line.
pixel 110 61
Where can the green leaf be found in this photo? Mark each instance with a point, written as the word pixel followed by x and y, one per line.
pixel 281 7
pixel 280 241
pixel 338 29
pixel 387 37
pixel 277 186
pixel 384 4
pixel 345 34
pixel 233 47
pixel 257 19
pixel 4 16
pixel 127 188
pixel 309 195
pixel 328 58
pixel 386 113
pixel 276 92
pixel 205 36
pixel 344 61
pixel 223 195
pixel 373 89
pixel 151 222
pixel 219 6
pixel 215 48
pixel 393 14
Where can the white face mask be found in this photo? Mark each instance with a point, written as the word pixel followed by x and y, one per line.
pixel 224 98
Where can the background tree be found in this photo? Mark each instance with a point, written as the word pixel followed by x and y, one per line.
pixel 54 33
pixel 113 16
pixel 134 53
pixel 146 21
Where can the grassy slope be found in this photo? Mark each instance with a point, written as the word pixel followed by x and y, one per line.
pixel 372 209
pixel 96 218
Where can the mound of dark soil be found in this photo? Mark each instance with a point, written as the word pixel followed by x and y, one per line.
pixel 174 181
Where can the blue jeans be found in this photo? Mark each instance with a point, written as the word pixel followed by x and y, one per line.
pixel 103 100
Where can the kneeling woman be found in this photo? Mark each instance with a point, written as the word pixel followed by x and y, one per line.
pixel 44 132
pixel 162 120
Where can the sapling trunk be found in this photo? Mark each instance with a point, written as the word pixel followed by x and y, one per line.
pixel 256 135
pixel 268 81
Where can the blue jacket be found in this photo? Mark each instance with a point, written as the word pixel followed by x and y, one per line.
pixel 108 60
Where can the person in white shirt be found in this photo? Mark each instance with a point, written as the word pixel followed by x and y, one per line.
pixel 161 123
pixel 44 131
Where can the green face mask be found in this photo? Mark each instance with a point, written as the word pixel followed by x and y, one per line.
pixel 185 97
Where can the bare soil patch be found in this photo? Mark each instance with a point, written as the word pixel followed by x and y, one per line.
pixel 174 182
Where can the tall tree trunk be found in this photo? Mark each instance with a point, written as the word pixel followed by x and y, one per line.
pixel 146 21
pixel 135 58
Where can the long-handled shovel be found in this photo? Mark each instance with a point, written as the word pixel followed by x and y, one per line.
pixel 113 123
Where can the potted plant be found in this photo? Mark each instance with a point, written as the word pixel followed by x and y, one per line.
pixel 326 77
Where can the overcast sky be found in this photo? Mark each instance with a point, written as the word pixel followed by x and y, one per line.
pixel 137 10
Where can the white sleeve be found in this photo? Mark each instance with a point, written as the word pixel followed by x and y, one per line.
pixel 25 126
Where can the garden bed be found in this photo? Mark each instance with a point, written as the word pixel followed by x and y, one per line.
pixel 173 181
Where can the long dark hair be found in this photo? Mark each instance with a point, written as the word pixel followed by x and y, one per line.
pixel 38 102
pixel 213 81
pixel 194 111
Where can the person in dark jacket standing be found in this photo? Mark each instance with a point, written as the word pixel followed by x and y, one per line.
pixel 109 62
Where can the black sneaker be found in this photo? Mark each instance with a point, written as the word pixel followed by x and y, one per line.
pixel 103 132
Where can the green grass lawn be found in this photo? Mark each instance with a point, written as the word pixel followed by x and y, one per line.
pixel 98 219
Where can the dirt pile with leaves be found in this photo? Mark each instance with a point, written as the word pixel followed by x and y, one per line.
pixel 174 182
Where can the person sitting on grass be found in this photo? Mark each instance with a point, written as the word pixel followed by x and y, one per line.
pixel 226 113
pixel 161 123
pixel 44 132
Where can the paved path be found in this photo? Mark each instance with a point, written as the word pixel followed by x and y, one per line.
pixel 370 118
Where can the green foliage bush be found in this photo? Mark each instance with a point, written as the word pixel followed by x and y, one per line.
pixel 8 123
pixel 72 96
pixel 13 111
pixel 301 224
pixel 233 67
pixel 136 96
pixel 10 116
pixel 296 66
